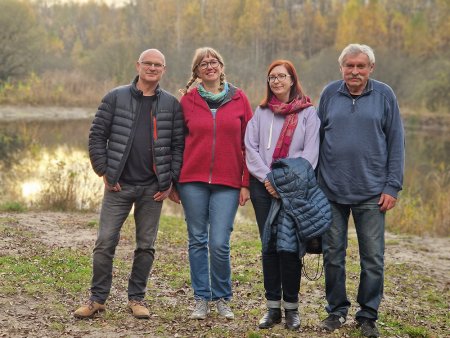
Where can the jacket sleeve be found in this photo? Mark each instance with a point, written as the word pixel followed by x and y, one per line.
pixel 177 145
pixel 247 117
pixel 311 146
pixel 321 113
pixel 255 163
pixel 396 148
pixel 100 132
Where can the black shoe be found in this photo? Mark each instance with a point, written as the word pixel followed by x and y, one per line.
pixel 368 327
pixel 332 322
pixel 272 317
pixel 292 319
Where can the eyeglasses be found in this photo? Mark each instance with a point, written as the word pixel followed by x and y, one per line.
pixel 148 64
pixel 213 63
pixel 279 77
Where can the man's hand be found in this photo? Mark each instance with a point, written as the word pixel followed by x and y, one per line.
pixel 386 202
pixel 162 195
pixel 270 189
pixel 112 188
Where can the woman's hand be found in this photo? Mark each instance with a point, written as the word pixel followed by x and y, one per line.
pixel 270 189
pixel 174 196
pixel 244 196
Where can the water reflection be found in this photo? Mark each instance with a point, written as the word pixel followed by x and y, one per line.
pixel 59 178
pixel 52 170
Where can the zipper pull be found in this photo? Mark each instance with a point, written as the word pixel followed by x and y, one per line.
pixel 155 130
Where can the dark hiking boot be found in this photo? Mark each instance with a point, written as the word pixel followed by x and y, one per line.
pixel 332 322
pixel 368 327
pixel 271 317
pixel 292 319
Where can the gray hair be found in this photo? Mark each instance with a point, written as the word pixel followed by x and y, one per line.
pixel 356 48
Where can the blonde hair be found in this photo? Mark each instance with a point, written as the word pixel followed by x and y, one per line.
pixel 199 55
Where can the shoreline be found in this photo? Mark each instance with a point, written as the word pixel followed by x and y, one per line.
pixel 43 113
pixel 8 113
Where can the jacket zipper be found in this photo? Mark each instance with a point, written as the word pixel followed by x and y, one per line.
pixel 213 148
pixel 154 133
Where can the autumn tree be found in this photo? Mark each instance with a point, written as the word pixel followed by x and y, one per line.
pixel 20 39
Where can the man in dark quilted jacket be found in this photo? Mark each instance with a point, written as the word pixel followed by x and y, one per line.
pixel 136 145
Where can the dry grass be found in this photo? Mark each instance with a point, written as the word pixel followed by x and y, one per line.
pixel 55 88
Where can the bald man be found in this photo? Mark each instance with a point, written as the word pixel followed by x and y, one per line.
pixel 136 145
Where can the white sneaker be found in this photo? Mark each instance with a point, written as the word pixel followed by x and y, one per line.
pixel 224 309
pixel 201 309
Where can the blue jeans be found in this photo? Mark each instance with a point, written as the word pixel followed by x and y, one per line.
pixel 209 210
pixel 116 207
pixel 369 224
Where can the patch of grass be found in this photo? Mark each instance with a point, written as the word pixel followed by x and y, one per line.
pixel 10 232
pixel 254 335
pixel 63 270
pixel 392 242
pixel 425 302
pixel 55 326
pixel 417 332
pixel 177 275
pixel 12 207
pixel 93 223
pixel 8 289
pixel 398 328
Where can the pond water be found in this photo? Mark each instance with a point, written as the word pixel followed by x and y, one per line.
pixel 56 152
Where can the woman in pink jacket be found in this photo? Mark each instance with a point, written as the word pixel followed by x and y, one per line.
pixel 214 179
pixel 285 125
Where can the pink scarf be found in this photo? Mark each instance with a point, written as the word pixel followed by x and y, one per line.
pixel 291 111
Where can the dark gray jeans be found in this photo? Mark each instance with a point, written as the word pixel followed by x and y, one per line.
pixel 116 207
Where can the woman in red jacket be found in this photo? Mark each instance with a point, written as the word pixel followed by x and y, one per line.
pixel 214 179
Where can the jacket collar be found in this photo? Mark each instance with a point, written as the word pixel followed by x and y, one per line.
pixel 137 92
pixel 344 90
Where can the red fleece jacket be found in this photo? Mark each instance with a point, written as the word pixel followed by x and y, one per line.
pixel 214 150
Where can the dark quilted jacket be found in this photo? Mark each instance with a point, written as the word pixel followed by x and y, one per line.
pixel 113 128
pixel 301 213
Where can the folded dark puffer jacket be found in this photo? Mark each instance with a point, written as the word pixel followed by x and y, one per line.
pixel 302 212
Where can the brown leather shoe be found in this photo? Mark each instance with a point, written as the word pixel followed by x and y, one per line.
pixel 139 309
pixel 89 309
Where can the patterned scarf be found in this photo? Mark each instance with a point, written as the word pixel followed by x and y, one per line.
pixel 290 110
pixel 210 97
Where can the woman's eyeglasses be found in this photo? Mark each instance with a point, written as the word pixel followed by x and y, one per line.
pixel 279 77
pixel 204 65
